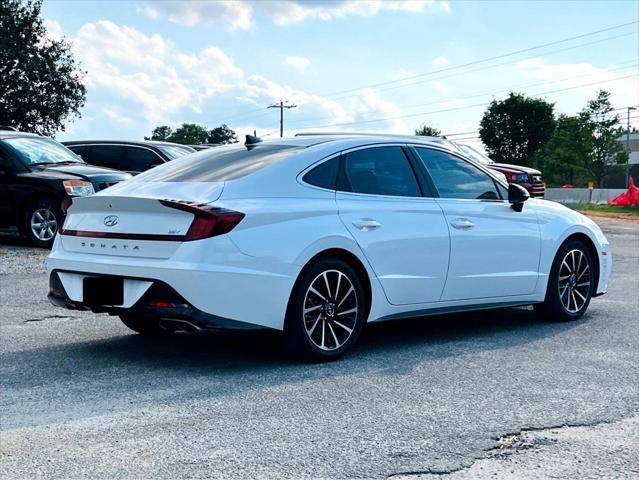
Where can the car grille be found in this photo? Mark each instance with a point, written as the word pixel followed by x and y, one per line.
pixel 102 185
pixel 538 189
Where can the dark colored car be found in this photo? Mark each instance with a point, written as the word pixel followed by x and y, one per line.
pixel 529 178
pixel 128 156
pixel 36 175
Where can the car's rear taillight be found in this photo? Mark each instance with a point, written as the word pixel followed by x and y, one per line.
pixel 208 221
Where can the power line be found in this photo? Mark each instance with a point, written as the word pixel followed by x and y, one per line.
pixel 488 59
pixel 484 92
pixel 461 107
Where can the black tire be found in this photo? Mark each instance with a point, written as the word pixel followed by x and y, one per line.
pixel 327 323
pixel 145 326
pixel 567 290
pixel 34 214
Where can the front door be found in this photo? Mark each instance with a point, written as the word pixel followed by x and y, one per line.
pixel 494 250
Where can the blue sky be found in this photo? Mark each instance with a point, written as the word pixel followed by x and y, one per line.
pixel 212 62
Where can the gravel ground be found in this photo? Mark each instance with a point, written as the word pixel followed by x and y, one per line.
pixel 83 397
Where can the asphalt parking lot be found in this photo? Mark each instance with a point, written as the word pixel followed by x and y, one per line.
pixel 468 396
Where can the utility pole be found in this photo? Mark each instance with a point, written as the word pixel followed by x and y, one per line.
pixel 628 146
pixel 281 106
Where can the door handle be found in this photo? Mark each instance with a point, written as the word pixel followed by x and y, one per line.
pixel 462 224
pixel 367 224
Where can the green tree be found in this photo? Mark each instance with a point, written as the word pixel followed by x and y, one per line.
pixel 515 129
pixel 428 131
pixel 189 134
pixel 40 82
pixel 222 134
pixel 564 157
pixel 161 133
pixel 608 153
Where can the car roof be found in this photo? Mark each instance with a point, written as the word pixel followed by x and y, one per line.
pixel 137 143
pixel 14 134
pixel 310 140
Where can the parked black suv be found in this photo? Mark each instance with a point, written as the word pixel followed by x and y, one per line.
pixel 36 175
pixel 132 157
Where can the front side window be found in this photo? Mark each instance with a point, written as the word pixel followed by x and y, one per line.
pixel 455 178
pixel 379 171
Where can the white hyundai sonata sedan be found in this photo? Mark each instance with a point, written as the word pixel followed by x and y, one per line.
pixel 317 235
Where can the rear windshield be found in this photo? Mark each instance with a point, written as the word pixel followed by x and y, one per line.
pixel 218 164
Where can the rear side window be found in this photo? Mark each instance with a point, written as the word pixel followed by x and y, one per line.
pixel 455 178
pixel 141 159
pixel 324 175
pixel 218 164
pixel 111 156
pixel 379 171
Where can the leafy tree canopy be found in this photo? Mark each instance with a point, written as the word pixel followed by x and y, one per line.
pixel 189 134
pixel 222 134
pixel 161 133
pixel 40 82
pixel 514 130
pixel 428 131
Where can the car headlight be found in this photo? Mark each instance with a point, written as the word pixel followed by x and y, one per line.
pixel 519 177
pixel 78 188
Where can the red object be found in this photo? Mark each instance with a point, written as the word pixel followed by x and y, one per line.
pixel 567 186
pixel 629 198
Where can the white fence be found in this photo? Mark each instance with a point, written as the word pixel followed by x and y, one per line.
pixel 582 195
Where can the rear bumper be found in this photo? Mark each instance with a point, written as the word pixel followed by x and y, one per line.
pixel 159 301
pixel 212 277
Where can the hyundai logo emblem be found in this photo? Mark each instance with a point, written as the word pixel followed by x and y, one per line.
pixel 111 220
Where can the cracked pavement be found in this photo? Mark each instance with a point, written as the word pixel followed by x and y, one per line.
pixel 81 396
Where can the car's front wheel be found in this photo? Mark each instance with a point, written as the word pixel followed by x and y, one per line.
pixel 326 312
pixel 42 220
pixel 571 284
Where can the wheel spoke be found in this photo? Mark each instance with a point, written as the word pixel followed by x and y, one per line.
pixel 337 344
pixel 574 300
pixel 328 287
pixel 312 309
pixel 310 332
pixel 582 297
pixel 339 281
pixel 352 310
pixel 583 272
pixel 39 216
pixel 311 289
pixel 323 333
pixel 349 330
pixel 566 265
pixel 345 297
pixel 583 284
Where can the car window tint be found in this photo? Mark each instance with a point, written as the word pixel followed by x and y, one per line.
pixel 379 171
pixel 111 156
pixel 455 178
pixel 141 159
pixel 324 175
pixel 218 164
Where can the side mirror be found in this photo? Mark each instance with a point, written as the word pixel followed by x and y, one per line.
pixel 517 195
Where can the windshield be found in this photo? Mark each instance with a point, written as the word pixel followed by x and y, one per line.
pixel 475 155
pixel 39 150
pixel 173 152
pixel 218 164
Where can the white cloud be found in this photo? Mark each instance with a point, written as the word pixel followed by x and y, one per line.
pixel 570 75
pixel 54 29
pixel 439 61
pixel 234 14
pixel 240 15
pixel 299 63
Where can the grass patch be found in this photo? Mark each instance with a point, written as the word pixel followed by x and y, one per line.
pixel 614 210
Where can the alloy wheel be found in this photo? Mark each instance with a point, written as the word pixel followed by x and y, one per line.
pixel 330 310
pixel 574 280
pixel 44 224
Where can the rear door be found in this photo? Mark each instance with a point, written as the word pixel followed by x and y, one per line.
pixel 494 250
pixel 402 234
